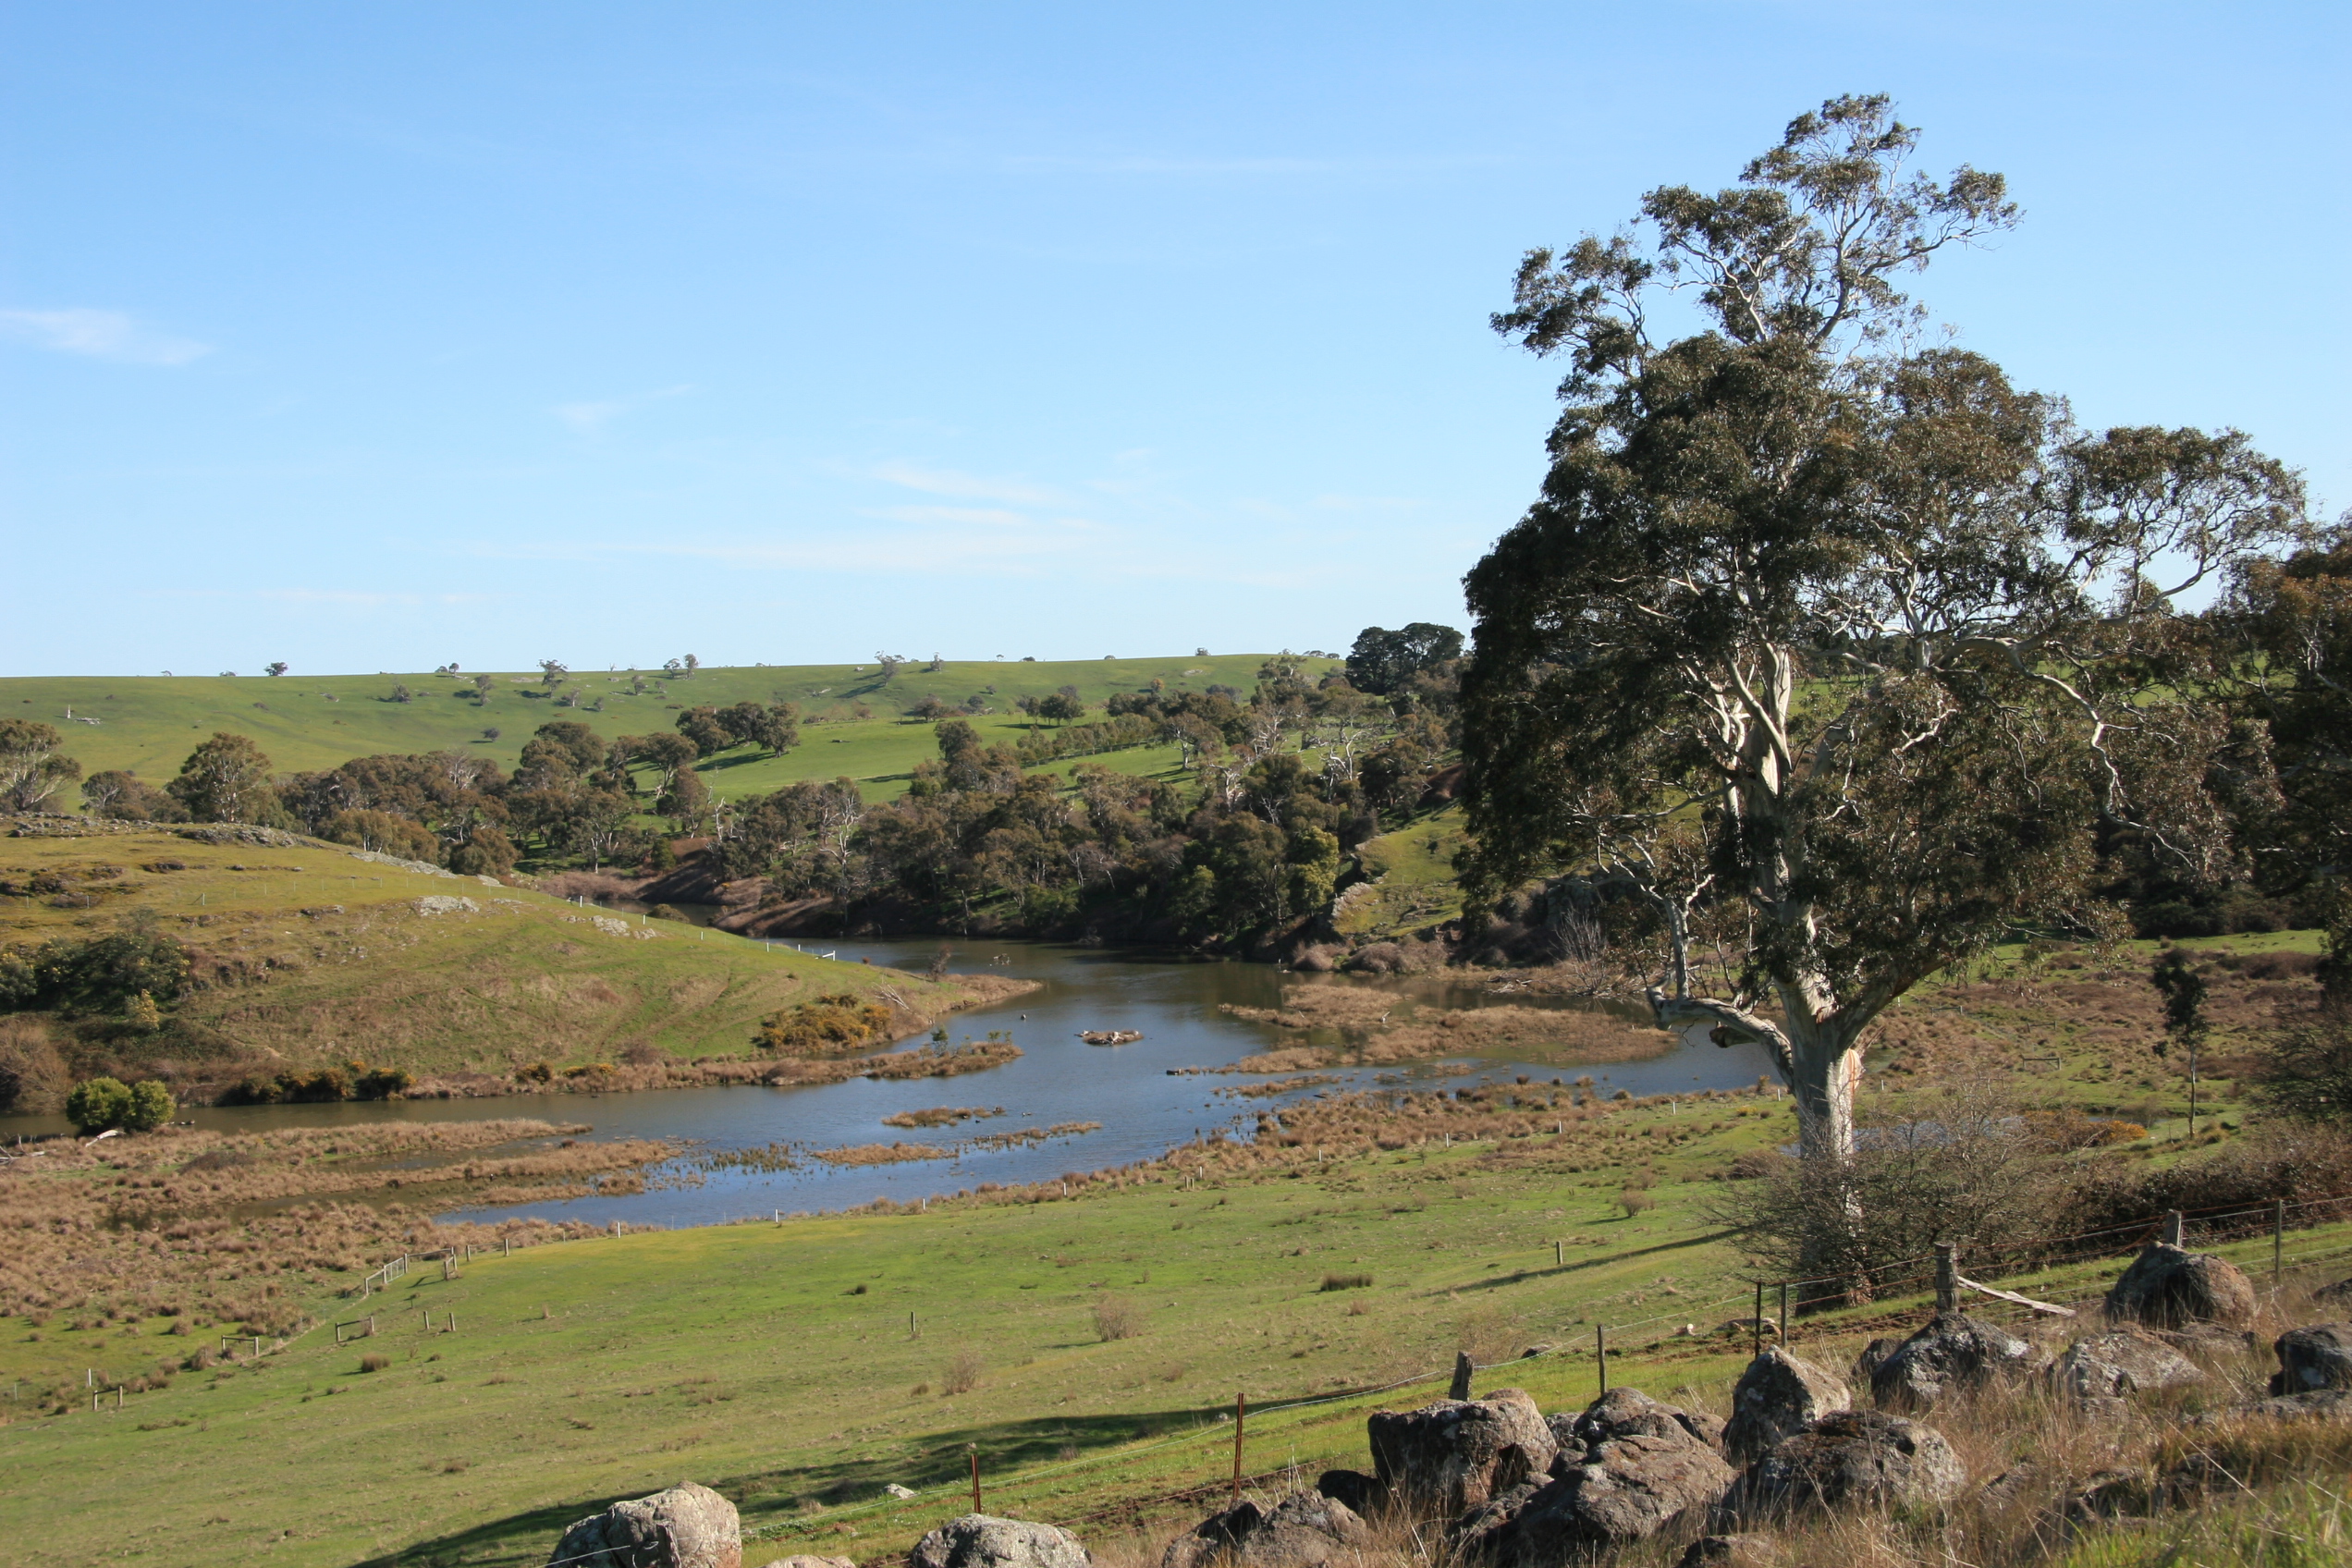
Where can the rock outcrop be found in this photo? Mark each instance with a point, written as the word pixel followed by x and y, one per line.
pixel 2097 1373
pixel 1363 1494
pixel 687 1526
pixel 1302 1530
pixel 2168 1287
pixel 2319 1356
pixel 1455 1455
pixel 1955 1351
pixel 1777 1397
pixel 1856 1458
pixel 1731 1552
pixel 1631 1469
pixel 981 1540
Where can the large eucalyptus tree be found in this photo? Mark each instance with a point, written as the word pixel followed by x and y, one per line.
pixel 1825 627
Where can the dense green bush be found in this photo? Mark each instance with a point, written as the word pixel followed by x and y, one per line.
pixel 93 975
pixel 98 1103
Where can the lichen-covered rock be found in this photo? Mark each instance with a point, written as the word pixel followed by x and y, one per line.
pixel 687 1526
pixel 1777 1397
pixel 1363 1494
pixel 2168 1287
pixel 1455 1455
pixel 2320 1404
pixel 1873 1357
pixel 2317 1356
pixel 1731 1552
pixel 2097 1373
pixel 1954 1352
pixel 1302 1530
pixel 980 1540
pixel 1624 1413
pixel 1631 1467
pixel 1854 1458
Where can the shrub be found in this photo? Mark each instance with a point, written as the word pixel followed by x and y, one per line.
pixel 1116 1318
pixel 97 1104
pixel 962 1374
pixel 826 1025
pixel 151 1105
pixel 1972 1167
pixel 2306 1071
pixel 1346 1282
pixel 375 1361
pixel 1636 1202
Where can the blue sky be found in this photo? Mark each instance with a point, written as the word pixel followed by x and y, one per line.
pixel 369 337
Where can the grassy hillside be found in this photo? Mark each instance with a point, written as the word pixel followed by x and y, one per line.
pixel 149 724
pixel 309 953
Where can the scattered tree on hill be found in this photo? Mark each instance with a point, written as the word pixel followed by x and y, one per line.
pixel 484 851
pixel 686 802
pixel 383 833
pixel 483 687
pixel 1847 637
pixel 1059 707
pixel 774 728
pixel 121 794
pixel 31 768
pixel 701 726
pixel 2294 616
pixel 552 671
pixel 664 753
pixel 280 668
pixel 226 780
pixel 1384 663
pixel 889 663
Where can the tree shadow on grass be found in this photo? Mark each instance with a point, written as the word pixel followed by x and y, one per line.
pixel 770 1495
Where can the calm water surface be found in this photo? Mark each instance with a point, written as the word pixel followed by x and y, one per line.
pixel 1143 1109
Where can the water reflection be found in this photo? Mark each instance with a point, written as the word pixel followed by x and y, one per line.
pixel 1143 1108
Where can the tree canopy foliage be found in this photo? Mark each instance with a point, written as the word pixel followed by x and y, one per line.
pixel 1826 635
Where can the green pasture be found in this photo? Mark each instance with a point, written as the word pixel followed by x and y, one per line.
pixel 799 1367
pixel 778 1362
pixel 340 961
pixel 147 724
pixel 1411 883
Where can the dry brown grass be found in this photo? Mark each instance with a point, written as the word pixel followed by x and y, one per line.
pixel 1373 1027
pixel 230 1227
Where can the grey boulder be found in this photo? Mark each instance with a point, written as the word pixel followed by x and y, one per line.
pixel 1777 1397
pixel 1856 1458
pixel 2319 1356
pixel 980 1540
pixel 2168 1287
pixel 687 1526
pixel 1634 1469
pixel 2098 1372
pixel 1363 1494
pixel 1302 1530
pixel 1454 1455
pixel 1953 1352
pixel 1624 1413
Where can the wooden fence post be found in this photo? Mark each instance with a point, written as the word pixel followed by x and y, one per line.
pixel 1785 1314
pixel 2278 1238
pixel 1947 1278
pixel 975 1449
pixel 1756 1324
pixel 1463 1368
pixel 1241 1411
pixel 1601 1355
pixel 2173 1223
pixel 1559 1254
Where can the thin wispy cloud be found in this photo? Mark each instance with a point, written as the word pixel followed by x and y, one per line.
pixel 99 334
pixel 955 482
pixel 990 515
pixel 591 417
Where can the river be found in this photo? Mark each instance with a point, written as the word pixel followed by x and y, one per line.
pixel 1143 1109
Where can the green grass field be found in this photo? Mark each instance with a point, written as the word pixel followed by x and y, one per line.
pixel 781 1364
pixel 147 724
pixel 332 958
